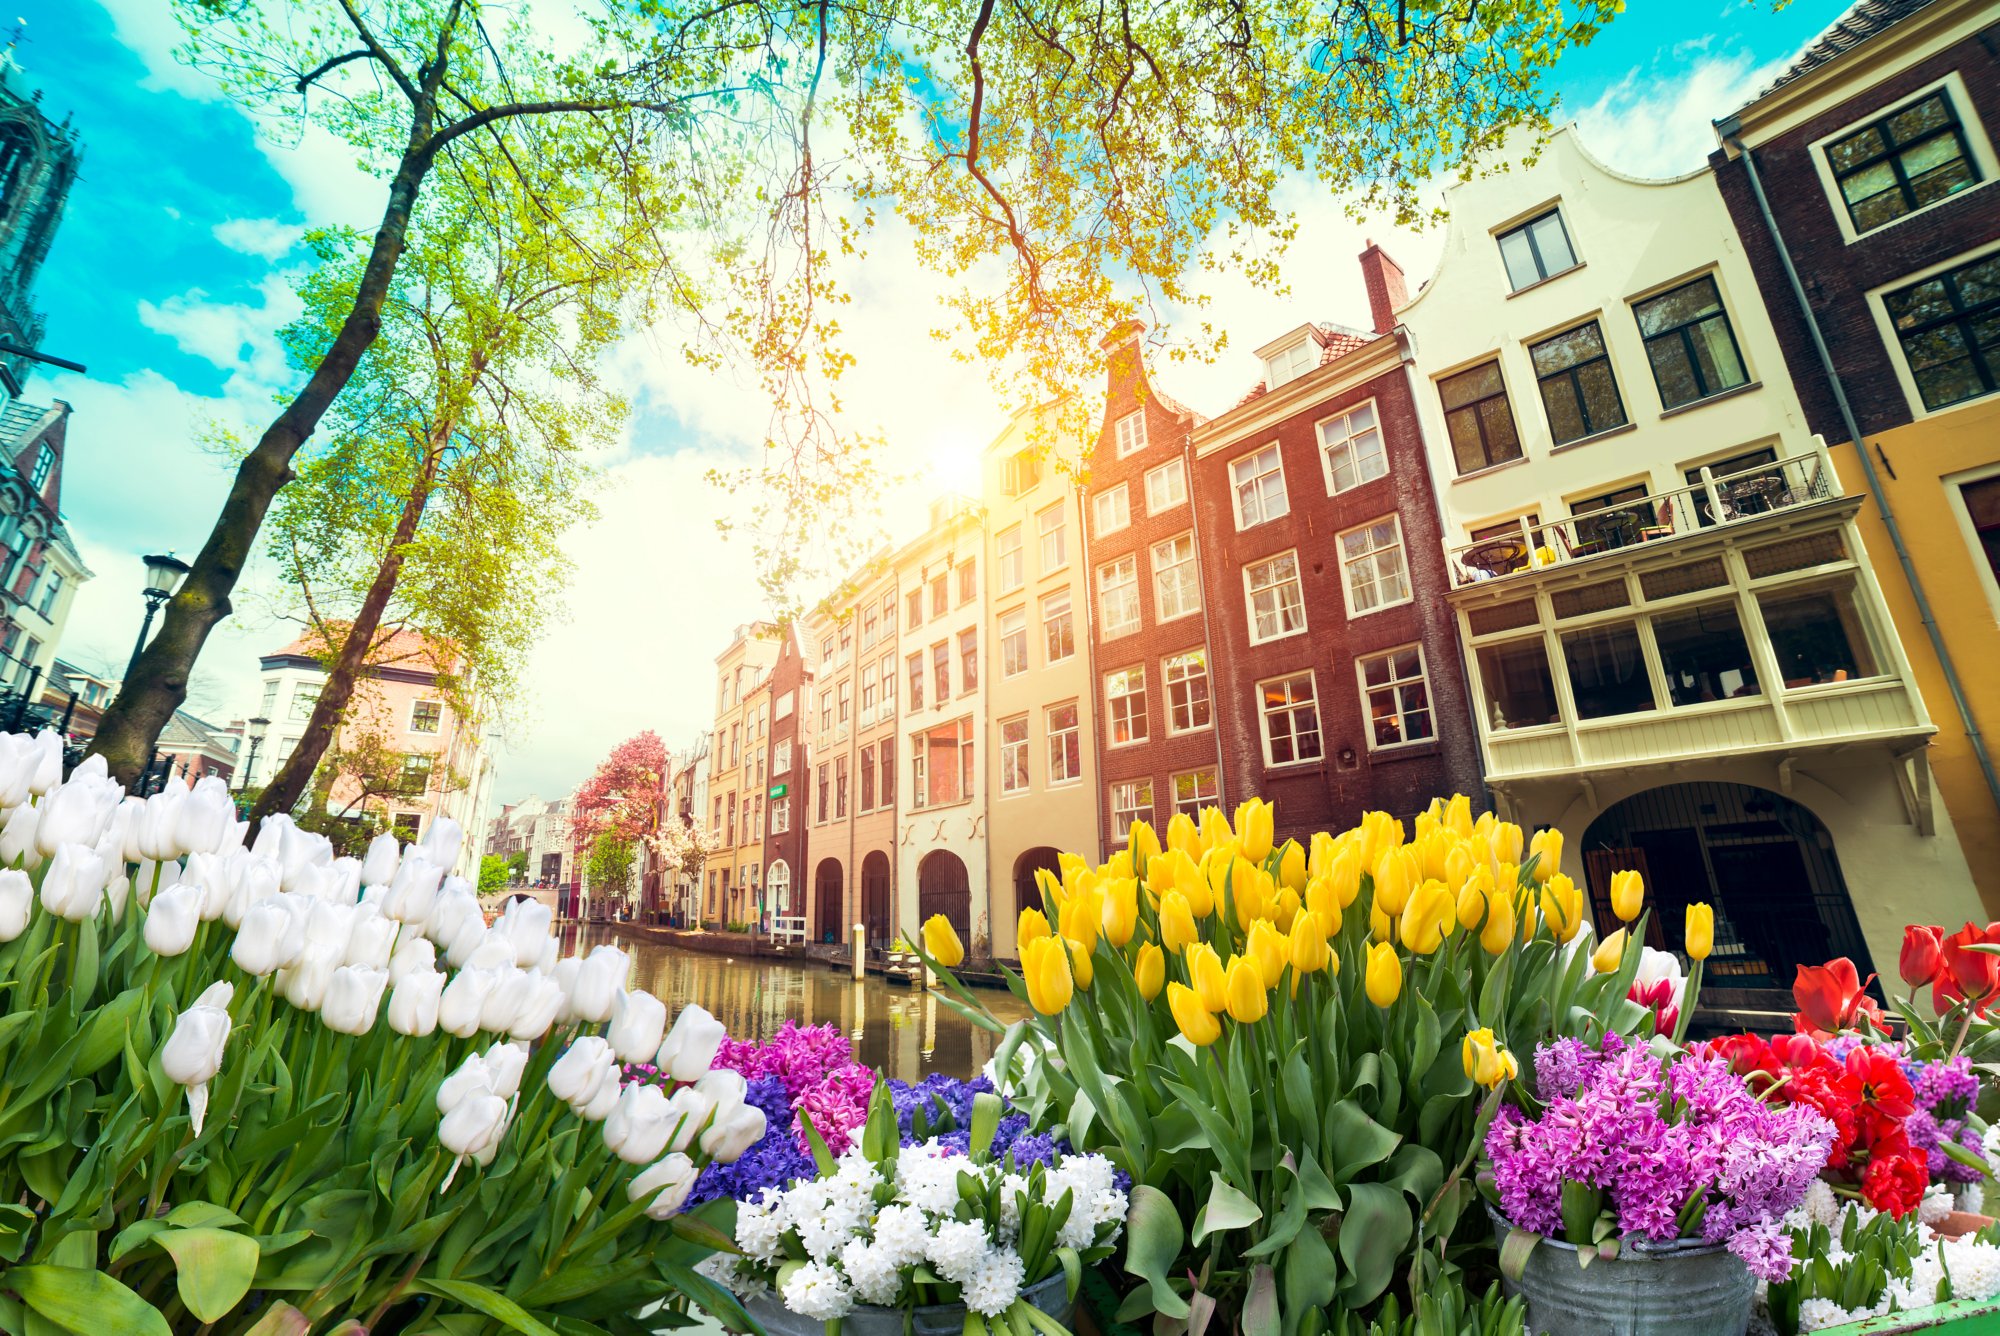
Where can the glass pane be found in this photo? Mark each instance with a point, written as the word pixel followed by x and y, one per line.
pixel 1600 396
pixel 1519 691
pixel 1721 367
pixel 1566 350
pixel 1466 449
pixel 1868 182
pixel 1460 390
pixel 1553 242
pixel 1672 371
pixel 1565 409
pixel 1704 654
pixel 1519 259
pixel 1607 671
pixel 1501 442
pixel 1915 122
pixel 1682 306
pixel 1817 635
pixel 1917 305
pixel 1855 148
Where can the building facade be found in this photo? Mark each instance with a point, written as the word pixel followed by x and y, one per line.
pixel 733 876
pixel 1875 173
pixel 786 792
pixel 38 164
pixel 1676 645
pixel 40 569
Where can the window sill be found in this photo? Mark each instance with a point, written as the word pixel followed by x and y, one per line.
pixel 1177 617
pixel 1126 746
pixel 1413 750
pixel 1516 461
pixel 1596 436
pixel 1189 732
pixel 1310 763
pixel 1354 616
pixel 1747 387
pixel 1545 280
pixel 1272 640
pixel 1855 238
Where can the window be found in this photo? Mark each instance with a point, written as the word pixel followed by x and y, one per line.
pixel 1371 559
pixel 407 824
pixel 1913 157
pixel 846 703
pixel 1615 518
pixel 1949 327
pixel 49 593
pixel 304 697
pixel 1021 472
pixel 715 822
pixel 869 625
pixel 1689 343
pixel 888 760
pixel 270 699
pixel 753 828
pixel 1187 690
pixel 1166 486
pixel 1131 800
pixel 870 695
pixel 968 582
pixel 45 463
pixel 1703 654
pixel 1065 749
pixel 1194 790
pixel 1982 504
pixel 426 716
pixel 1259 482
pixel 1579 393
pixel 888 615
pixel 868 778
pixel 1350 447
pixel 826 711
pixel 1111 509
pixel 1396 697
pixel 940 594
pixel 846 644
pixel 1817 634
pixel 781 818
pixel 1014 755
pixel 941 765
pixel 783 710
pixel 917 681
pixel 1008 545
pixel 1176 592
pixel 1058 629
pixel 781 758
pixel 1519 691
pixel 1125 706
pixel 1014 643
pixel 1477 417
pixel 915 616
pixel 1118 595
pixel 1291 362
pixel 1055 543
pixel 823 786
pixel 839 788
pixel 886 671
pixel 778 883
pixel 417 772
pixel 1290 711
pixel 1537 249
pixel 1272 590
pixel 968 660
pixel 941 673
pixel 1607 670
pixel 286 746
pixel 1130 433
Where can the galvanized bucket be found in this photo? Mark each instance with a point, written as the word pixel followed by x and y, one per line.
pixel 1049 1295
pixel 1649 1289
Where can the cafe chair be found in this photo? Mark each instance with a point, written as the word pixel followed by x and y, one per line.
pixel 1663 526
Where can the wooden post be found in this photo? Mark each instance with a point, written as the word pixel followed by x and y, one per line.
pixel 860 946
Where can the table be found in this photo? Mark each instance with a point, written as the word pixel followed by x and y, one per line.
pixel 1755 494
pixel 1498 556
pixel 1614 528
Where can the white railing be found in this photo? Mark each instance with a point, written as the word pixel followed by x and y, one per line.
pixel 788 930
pixel 1713 501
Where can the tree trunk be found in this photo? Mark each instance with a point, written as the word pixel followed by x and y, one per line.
pixel 158 683
pixel 293 778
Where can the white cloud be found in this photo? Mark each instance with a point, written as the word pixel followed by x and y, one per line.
pixel 150 30
pixel 329 186
pixel 266 238
pixel 1653 127
pixel 238 337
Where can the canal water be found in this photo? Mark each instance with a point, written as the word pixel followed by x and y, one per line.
pixel 900 1030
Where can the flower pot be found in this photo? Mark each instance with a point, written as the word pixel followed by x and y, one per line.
pixel 1960 1223
pixel 1049 1295
pixel 1649 1289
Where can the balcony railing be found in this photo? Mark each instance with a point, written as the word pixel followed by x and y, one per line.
pixel 1713 501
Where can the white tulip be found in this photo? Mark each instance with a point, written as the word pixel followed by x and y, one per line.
pixel 471 935
pixel 116 892
pixel 538 1009
pixel 582 1070
pixel 469 1078
pixel 690 1047
pixel 192 1054
pixel 637 1130
pixel 505 1000
pixel 377 896
pixel 413 890
pixel 256 879
pixel 449 910
pixel 47 754
pixel 234 839
pixel 505 1064
pixel 412 955
pixel 724 1090
pixel 564 973
pixel 17 837
pixel 413 1002
pixel 494 952
pixel 526 924
pixel 600 1106
pixel 205 816
pixel 330 924
pixel 171 921
pixel 666 1183
pixel 692 1108
pixel 474 1129
pixel 373 938
pixel 17 900
pixel 727 1139
pixel 304 982
pixel 73 886
pixel 638 1020
pixel 440 842
pixel 353 997
pixel 261 946
pixel 301 853
pixel 270 841
pixel 599 981
pixel 346 879
pixel 159 828
pixel 463 1000
pixel 76 813
pixel 380 864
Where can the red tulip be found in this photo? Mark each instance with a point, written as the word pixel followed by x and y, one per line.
pixel 1974 975
pixel 1923 955
pixel 1832 998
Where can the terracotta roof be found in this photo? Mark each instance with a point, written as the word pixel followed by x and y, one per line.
pixel 1857 25
pixel 1336 342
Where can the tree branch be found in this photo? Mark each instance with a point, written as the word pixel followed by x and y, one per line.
pixel 377 51
pixel 307 79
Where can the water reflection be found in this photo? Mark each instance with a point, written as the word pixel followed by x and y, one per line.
pixel 898 1030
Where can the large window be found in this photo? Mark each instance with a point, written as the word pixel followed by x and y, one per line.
pixel 1817 634
pixel 1058 627
pixel 1271 589
pixel 1118 595
pixel 1131 800
pixel 1350 447
pixel 824 788
pixel 1537 249
pixel 888 787
pixel 45 463
pixel 1014 643
pixel 51 590
pixel 1949 326
pixel 968 661
pixel 1982 504
pixel 1689 343
pixel 839 788
pixel 1292 361
pixel 940 596
pixel 870 696
pixel 1478 419
pixel 1579 392
pixel 1704 655
pixel 915 613
pixel 1915 156
pixel 1187 690
pixel 1014 754
pixel 1613 519
pixel 781 817
pixel 1065 748
pixel 1519 691
pixel 941 765
pixel 1194 790
pixel 1166 486
pixel 887 674
pixel 416 777
pixel 968 582
pixel 1396 696
pixel 781 757
pixel 1125 706
pixel 1012 569
pixel 1372 567
pixel 1607 670
pixel 1289 708
pixel 1258 480
pixel 1111 509
pixel 1176 593
pixel 426 716
pixel 1130 433
pixel 1055 538
pixel 1021 472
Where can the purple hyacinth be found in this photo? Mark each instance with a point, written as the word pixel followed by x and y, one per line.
pixel 774 1161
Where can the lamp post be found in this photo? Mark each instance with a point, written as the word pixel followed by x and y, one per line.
pixel 163 576
pixel 253 729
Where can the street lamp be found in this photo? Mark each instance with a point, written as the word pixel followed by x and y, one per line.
pixel 253 729
pixel 163 576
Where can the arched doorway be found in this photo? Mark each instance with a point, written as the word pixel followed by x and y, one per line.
pixel 778 888
pixel 879 923
pixel 827 903
pixel 1766 863
pixel 944 888
pixel 1027 895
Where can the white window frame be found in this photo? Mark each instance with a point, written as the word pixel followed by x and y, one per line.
pixel 1053 735
pixel 1012 561
pixel 1059 532
pixel 781 757
pixel 1291 361
pixel 1341 557
pixel 1015 750
pixel 778 881
pixel 1952 85
pixel 1128 588
pixel 1892 346
pixel 1175 471
pixel 1117 500
pixel 424 732
pixel 1264 515
pixel 1954 485
pixel 1170 679
pixel 781 815
pixel 1069 610
pixel 1250 592
pixel 1394 687
pixel 1136 809
pixel 1265 714
pixel 1188 581
pixel 1129 433
pixel 1200 800
pixel 1013 624
pixel 1120 706
pixel 1343 422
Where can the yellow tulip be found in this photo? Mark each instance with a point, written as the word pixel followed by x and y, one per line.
pixel 1141 844
pixel 1395 877
pixel 1045 970
pixel 1431 852
pixel 1067 866
pixel 941 941
pixel 1286 908
pixel 1458 816
pixel 1507 875
pixel 1609 953
pixel 1119 864
pixel 1244 991
pixel 1499 929
pixel 1121 910
pixel 1319 861
pixel 1309 951
pixel 1345 874
pixel 1214 829
pixel 1323 899
pixel 1196 1023
pixel 1204 969
pixel 1033 924
pixel 1458 865
pixel 1428 917
pixel 1083 916
pixel 1177 928
pixel 1383 978
pixel 1428 821
pixel 1380 925
pixel 1486 1062
pixel 1183 836
pixel 1524 910
pixel 1149 971
pixel 1474 898
pixel 1700 931
pixel 1549 844
pixel 1562 906
pixel 1253 891
pixel 1254 828
pixel 1079 959
pixel 1628 895
pixel 1379 833
pixel 1195 888
pixel 1292 866
pixel 1050 885
pixel 1506 841
pixel 1268 949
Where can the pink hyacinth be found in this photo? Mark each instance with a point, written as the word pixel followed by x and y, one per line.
pixel 816 1064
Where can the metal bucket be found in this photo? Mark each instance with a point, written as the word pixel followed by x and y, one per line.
pixel 1649 1289
pixel 1049 1295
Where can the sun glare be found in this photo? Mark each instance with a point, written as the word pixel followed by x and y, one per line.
pixel 954 466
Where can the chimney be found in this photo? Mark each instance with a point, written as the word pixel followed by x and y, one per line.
pixel 1384 278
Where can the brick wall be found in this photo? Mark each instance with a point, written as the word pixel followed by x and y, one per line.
pixel 789 675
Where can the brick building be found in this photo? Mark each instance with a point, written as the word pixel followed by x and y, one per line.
pixel 786 787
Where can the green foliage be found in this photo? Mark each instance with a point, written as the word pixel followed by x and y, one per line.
pixel 494 872
pixel 1445 1309
pixel 1879 1252
pixel 608 869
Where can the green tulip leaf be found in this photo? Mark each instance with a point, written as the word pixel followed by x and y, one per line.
pixel 1320 1193
pixel 985 1123
pixel 1310 1273
pixel 135 1235
pixel 1226 1209
pixel 212 1267
pixel 1260 1305
pixel 1515 1250
pixel 84 1299
pixel 490 1302
pixel 1355 1140
pixel 1373 1234
pixel 1153 1237
pixel 192 1213
pixel 281 1319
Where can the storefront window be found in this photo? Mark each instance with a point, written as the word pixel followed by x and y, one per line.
pixel 1607 670
pixel 1519 690
pixel 1817 634
pixel 1704 654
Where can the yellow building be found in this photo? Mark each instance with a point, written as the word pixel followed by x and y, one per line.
pixel 739 766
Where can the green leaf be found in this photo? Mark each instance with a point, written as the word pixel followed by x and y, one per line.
pixel 1153 1238
pixel 191 1213
pixel 281 1319
pixel 1260 1305
pixel 985 1123
pixel 1373 1233
pixel 1355 1141
pixel 1310 1276
pixel 1072 1266
pixel 1227 1208
pixel 495 1305
pixel 85 1300
pixel 212 1268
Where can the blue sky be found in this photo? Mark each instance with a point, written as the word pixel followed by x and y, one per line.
pixel 171 270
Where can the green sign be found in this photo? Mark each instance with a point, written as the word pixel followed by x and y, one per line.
pixel 777 790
